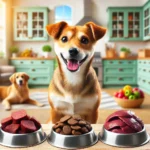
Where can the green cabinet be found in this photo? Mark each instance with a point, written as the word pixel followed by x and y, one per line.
pixel 119 72
pixel 29 23
pixel 40 71
pixel 143 75
pixel 146 22
pixel 125 23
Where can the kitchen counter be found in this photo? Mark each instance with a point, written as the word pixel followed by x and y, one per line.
pixel 130 58
pixel 99 145
pixel 32 58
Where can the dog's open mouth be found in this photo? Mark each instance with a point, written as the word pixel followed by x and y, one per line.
pixel 73 64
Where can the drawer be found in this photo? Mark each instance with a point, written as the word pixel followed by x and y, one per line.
pixel 144 82
pixel 117 80
pixel 119 62
pixel 120 70
pixel 32 62
pixel 144 71
pixel 39 80
pixel 144 63
pixel 35 69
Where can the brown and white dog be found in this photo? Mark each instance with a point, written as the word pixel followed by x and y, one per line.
pixel 74 88
pixel 18 92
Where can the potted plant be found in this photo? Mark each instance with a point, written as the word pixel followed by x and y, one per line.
pixel 124 52
pixel 14 50
pixel 47 49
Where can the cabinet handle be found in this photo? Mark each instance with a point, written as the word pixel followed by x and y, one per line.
pixel 144 62
pixel 31 62
pixel 33 78
pixel 42 62
pixel 120 69
pixel 21 62
pixel 120 62
pixel 144 69
pixel 119 78
pixel 129 62
pixel 33 69
pixel 148 82
pixel 143 80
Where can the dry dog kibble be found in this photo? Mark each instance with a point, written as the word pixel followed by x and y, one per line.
pixel 72 125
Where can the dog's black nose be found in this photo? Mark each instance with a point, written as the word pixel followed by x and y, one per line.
pixel 73 52
pixel 20 81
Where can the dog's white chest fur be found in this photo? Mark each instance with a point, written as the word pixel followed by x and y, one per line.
pixel 73 105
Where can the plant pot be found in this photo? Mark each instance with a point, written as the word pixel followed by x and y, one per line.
pixel 124 54
pixel 47 54
pixel 14 55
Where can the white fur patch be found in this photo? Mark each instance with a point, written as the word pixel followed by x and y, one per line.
pixel 76 105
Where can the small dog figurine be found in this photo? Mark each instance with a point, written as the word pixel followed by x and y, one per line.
pixel 18 92
pixel 74 88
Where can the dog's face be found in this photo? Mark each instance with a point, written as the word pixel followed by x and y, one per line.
pixel 19 78
pixel 74 44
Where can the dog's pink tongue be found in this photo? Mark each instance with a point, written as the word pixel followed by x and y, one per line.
pixel 72 65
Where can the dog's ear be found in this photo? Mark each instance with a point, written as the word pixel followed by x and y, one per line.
pixel 12 78
pixel 97 31
pixel 26 76
pixel 55 30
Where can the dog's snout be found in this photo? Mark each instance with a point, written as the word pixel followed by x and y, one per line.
pixel 73 52
pixel 20 81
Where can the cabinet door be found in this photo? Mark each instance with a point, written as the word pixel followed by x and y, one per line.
pixel 146 14
pixel 21 24
pixel 116 24
pixel 39 20
pixel 134 24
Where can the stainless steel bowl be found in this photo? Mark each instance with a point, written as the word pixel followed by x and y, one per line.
pixel 124 140
pixel 72 141
pixel 22 140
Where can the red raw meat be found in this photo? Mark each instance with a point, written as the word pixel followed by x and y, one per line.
pixel 120 113
pixel 37 123
pixel 117 130
pixel 114 124
pixel 6 121
pixel 28 126
pixel 127 129
pixel 19 115
pixel 12 128
pixel 131 122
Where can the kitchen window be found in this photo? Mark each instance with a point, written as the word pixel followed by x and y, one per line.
pixel 2 30
pixel 63 13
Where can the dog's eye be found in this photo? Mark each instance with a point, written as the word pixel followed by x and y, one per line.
pixel 84 40
pixel 64 39
pixel 22 76
pixel 17 77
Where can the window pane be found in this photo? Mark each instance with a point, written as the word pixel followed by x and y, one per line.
pixel 59 12
pixel 67 12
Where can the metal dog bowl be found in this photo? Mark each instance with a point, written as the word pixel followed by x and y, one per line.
pixel 22 140
pixel 72 141
pixel 124 140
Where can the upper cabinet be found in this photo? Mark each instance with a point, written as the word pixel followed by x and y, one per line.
pixel 125 24
pixel 146 22
pixel 29 24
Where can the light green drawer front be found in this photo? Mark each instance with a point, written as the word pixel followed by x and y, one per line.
pixel 144 63
pixel 116 80
pixel 144 82
pixel 144 71
pixel 31 62
pixel 120 70
pixel 35 69
pixel 120 62
pixel 36 80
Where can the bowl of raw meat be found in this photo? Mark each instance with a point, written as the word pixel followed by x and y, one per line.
pixel 21 130
pixel 124 129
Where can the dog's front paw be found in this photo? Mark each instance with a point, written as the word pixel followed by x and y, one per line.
pixel 41 105
pixel 8 108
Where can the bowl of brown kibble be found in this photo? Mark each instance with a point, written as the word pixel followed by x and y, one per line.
pixel 72 132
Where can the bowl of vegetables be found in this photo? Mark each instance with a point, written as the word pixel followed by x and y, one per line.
pixel 129 97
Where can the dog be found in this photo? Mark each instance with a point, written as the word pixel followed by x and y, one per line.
pixel 74 88
pixel 18 92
